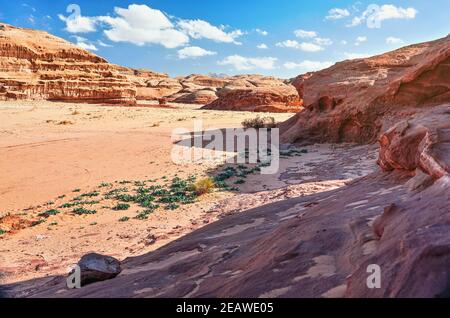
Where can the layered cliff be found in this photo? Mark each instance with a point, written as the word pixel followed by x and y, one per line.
pixel 257 93
pixel 357 99
pixel 35 65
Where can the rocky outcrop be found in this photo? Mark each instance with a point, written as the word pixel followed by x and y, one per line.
pixel 257 93
pixel 96 268
pixel 356 100
pixel 35 65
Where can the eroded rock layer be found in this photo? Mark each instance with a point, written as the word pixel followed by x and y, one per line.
pixel 35 65
pixel 257 93
pixel 355 100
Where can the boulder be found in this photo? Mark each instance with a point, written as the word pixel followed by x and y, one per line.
pixel 95 268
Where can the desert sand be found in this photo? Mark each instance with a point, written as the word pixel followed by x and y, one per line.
pixel 54 152
pixel 51 149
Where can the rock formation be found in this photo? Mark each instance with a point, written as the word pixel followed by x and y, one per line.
pixel 96 268
pixel 257 93
pixel 355 100
pixel 35 65
pixel 38 66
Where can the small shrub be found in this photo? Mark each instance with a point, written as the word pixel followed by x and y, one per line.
pixel 144 214
pixel 172 206
pixel 90 194
pixel 240 181
pixel 2 232
pixel 82 211
pixel 46 214
pixel 121 207
pixel 259 122
pixel 204 186
pixel 124 219
pixel 40 221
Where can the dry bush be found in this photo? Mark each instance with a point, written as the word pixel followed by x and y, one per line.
pixel 259 122
pixel 204 186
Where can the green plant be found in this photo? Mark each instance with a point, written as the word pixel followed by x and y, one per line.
pixel 121 207
pixel 81 211
pixel 90 194
pixel 2 232
pixel 77 190
pixel 144 215
pixel 46 214
pixel 172 206
pixel 53 224
pixel 40 221
pixel 240 181
pixel 77 203
pixel 124 219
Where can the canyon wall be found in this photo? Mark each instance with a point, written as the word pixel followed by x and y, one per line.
pixel 35 65
pixel 355 100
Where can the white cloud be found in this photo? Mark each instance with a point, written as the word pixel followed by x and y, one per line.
pixel 140 24
pixel 305 34
pixel 323 41
pixel 374 15
pixel 304 46
pixel 78 23
pixel 199 29
pixel 242 63
pixel 262 32
pixel 337 13
pixel 360 40
pixel 394 40
pixel 352 56
pixel 84 43
pixel 101 43
pixel 308 66
pixel 262 46
pixel 344 42
pixel 193 52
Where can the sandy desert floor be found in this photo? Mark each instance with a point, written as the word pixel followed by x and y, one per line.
pixel 54 153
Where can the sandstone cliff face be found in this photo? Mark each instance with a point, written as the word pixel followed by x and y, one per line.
pixel 37 65
pixel 354 100
pixel 257 93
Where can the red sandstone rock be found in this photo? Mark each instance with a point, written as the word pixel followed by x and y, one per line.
pixel 355 100
pixel 36 65
pixel 257 93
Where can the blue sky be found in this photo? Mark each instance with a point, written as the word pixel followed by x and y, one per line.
pixel 273 37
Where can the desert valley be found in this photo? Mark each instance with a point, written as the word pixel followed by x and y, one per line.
pixel 86 168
